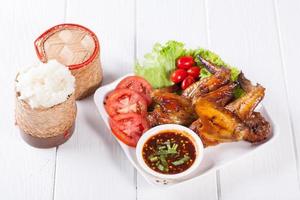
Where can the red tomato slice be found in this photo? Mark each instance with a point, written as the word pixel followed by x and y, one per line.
pixel 137 84
pixel 128 127
pixel 107 97
pixel 122 101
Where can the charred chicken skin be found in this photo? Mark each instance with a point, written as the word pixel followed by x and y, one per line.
pixel 170 108
pixel 259 126
pixel 216 124
pixel 219 122
pixel 222 96
pixel 244 106
pixel 244 109
pixel 206 85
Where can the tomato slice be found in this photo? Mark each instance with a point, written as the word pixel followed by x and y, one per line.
pixel 122 101
pixel 128 127
pixel 107 97
pixel 137 84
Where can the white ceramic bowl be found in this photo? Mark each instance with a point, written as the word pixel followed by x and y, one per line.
pixel 158 129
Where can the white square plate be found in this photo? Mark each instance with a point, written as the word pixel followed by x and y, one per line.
pixel 214 157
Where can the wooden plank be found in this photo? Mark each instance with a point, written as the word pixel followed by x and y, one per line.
pixel 289 31
pixel 92 165
pixel 26 172
pixel 245 34
pixel 159 21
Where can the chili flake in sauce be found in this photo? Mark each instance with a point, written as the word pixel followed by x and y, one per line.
pixel 169 152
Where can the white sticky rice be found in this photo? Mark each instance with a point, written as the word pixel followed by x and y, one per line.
pixel 45 85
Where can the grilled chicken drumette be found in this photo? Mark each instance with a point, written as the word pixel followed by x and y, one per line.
pixel 244 109
pixel 244 106
pixel 219 122
pixel 209 84
pixel 170 108
pixel 216 124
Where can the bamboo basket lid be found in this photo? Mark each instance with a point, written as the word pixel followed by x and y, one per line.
pixel 76 47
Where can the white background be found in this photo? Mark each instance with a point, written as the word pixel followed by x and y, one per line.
pixel 262 37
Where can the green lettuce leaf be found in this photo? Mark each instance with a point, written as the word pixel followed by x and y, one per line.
pixel 159 64
pixel 204 73
pixel 238 92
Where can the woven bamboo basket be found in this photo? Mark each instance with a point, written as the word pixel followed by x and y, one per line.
pixel 46 127
pixel 76 47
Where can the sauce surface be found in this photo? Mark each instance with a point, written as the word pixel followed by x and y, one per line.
pixel 169 152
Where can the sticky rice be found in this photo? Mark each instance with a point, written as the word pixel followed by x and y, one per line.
pixel 45 85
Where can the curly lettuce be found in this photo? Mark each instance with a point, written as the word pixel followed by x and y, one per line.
pixel 159 64
pixel 238 92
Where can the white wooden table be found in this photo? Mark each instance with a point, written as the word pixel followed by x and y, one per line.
pixel 262 37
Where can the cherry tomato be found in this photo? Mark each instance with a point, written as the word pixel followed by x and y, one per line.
pixel 194 71
pixel 137 84
pixel 122 101
pixel 128 127
pixel 185 62
pixel 178 75
pixel 187 82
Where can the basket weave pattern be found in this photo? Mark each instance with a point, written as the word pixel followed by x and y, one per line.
pixel 46 122
pixel 88 78
pixel 73 45
pixel 69 47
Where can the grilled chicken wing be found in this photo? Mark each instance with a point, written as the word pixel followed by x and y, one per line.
pixel 259 126
pixel 208 65
pixel 216 124
pixel 221 96
pixel 245 83
pixel 244 106
pixel 206 85
pixel 236 121
pixel 170 108
pixel 220 77
pixel 217 121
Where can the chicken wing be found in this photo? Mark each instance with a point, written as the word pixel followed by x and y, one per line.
pixel 244 106
pixel 171 108
pixel 222 96
pixel 216 124
pixel 259 126
pixel 206 85
pixel 220 77
pixel 208 65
